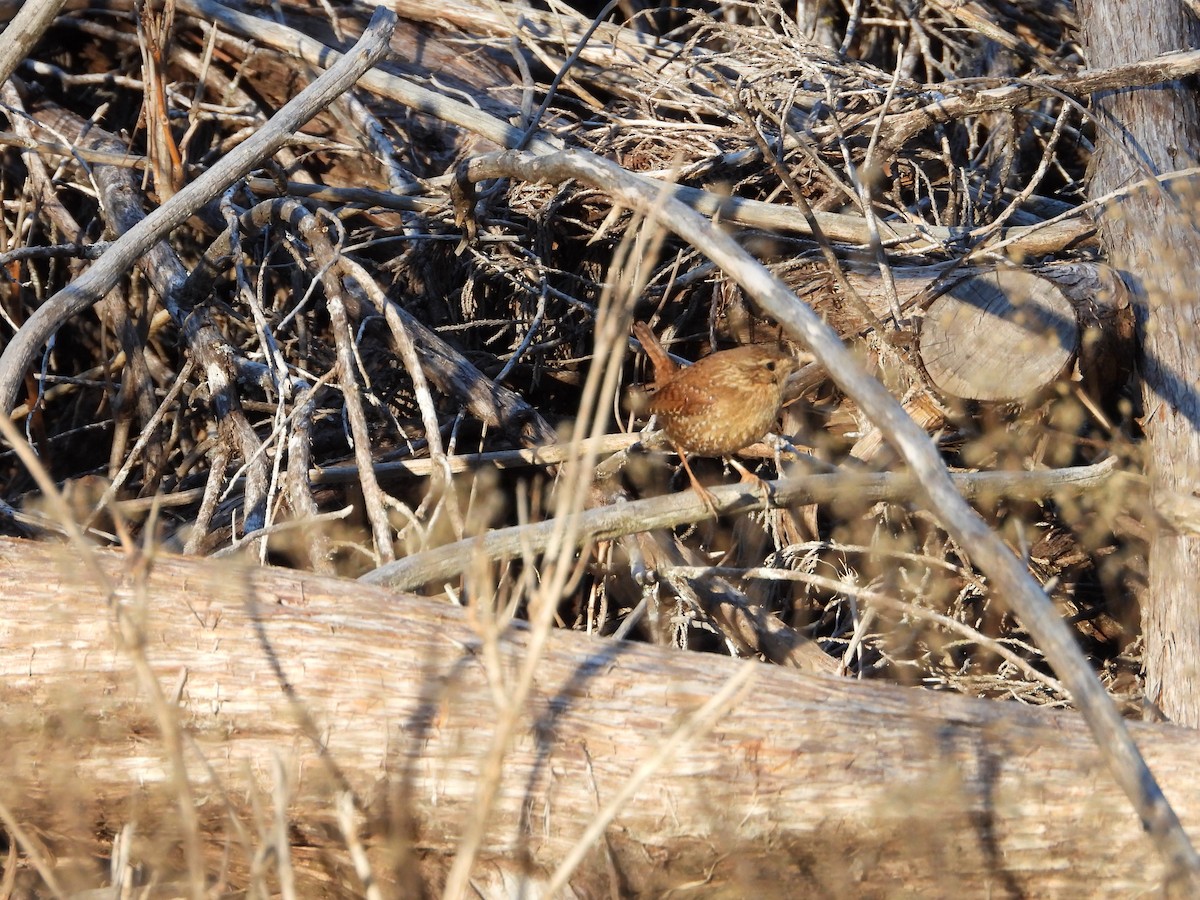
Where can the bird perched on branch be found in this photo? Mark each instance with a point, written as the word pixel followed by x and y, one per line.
pixel 719 404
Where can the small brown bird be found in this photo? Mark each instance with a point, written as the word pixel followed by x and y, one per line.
pixel 719 404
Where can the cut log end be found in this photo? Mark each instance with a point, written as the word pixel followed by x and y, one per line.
pixel 1000 337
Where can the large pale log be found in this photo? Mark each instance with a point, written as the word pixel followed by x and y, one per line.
pixel 808 786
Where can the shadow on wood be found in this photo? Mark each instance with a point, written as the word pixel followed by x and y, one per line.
pixel 809 785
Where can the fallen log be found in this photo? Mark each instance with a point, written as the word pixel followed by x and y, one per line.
pixel 294 690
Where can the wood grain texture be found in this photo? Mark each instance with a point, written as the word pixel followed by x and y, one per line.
pixel 1151 237
pixel 998 336
pixel 810 786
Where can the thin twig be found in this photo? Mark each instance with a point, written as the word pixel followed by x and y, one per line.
pixel 103 276
pixel 687 508
pixel 876 598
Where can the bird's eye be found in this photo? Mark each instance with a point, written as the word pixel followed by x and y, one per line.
pixel 771 366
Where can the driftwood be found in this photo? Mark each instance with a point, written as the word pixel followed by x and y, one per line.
pixel 824 786
pixel 616 519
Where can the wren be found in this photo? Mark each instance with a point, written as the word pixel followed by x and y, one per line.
pixel 719 404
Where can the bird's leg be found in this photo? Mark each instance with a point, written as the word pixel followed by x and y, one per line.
pixel 704 493
pixel 745 476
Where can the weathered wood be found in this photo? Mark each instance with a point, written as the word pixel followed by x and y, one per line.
pixel 827 787
pixel 972 354
pixel 450 561
pixel 24 31
pixel 999 336
pixel 120 258
pixel 1151 237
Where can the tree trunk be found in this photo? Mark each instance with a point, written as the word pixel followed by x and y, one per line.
pixel 1151 236
pixel 293 688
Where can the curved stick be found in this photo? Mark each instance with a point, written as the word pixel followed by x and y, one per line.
pixel 124 252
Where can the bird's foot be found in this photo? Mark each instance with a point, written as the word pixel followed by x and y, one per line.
pixel 745 476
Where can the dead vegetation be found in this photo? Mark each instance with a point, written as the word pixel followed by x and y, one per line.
pixel 386 353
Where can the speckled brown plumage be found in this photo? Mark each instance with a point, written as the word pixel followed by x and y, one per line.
pixel 720 404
